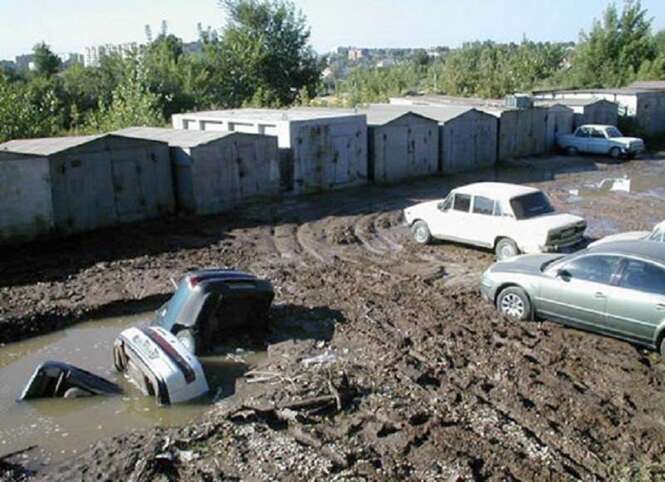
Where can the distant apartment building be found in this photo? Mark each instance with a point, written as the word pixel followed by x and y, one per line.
pixel 7 65
pixel 356 54
pixel 70 58
pixel 25 62
pixel 94 55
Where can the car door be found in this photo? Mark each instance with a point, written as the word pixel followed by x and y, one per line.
pixel 636 306
pixel 577 291
pixel 483 224
pixel 597 142
pixel 452 217
pixel 581 141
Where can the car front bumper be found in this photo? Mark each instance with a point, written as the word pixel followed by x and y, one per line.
pixel 487 290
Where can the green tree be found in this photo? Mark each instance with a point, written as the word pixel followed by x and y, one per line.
pixel 46 62
pixel 613 52
pixel 264 54
pixel 132 104
pixel 27 111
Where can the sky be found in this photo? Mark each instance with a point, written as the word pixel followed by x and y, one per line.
pixel 71 25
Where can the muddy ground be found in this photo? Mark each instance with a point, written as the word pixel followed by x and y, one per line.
pixel 401 371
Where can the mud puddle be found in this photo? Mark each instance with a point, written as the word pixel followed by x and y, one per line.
pixel 62 428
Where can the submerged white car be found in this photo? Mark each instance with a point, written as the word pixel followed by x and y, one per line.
pixel 657 234
pixel 509 218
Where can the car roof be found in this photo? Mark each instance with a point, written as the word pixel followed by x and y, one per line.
pixel 660 226
pixel 651 250
pixel 598 126
pixel 207 275
pixel 496 190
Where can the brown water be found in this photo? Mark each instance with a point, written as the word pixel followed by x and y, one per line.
pixel 61 428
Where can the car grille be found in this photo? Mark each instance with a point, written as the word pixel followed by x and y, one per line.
pixel 566 235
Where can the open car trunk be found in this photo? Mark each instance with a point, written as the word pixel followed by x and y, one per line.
pixel 61 380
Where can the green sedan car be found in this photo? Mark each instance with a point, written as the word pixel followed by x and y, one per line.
pixel 615 289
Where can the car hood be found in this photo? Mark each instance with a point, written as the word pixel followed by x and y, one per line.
pixel 629 236
pixel 525 264
pixel 422 207
pixel 550 221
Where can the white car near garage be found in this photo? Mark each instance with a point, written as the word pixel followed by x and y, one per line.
pixel 657 234
pixel 509 218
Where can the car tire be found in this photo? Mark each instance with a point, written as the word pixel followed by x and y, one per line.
pixel 514 304
pixel 615 153
pixel 506 248
pixel 421 232
pixel 572 151
pixel 186 337
pixel 661 346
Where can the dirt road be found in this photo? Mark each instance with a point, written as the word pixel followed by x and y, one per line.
pixel 416 377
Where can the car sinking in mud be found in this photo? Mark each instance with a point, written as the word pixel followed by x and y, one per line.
pixel 509 218
pixel 657 234
pixel 210 304
pixel 615 289
pixel 159 365
pixel 600 139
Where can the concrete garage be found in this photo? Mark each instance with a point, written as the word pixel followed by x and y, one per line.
pixel 645 107
pixel 560 120
pixel 25 197
pixel 521 132
pixel 323 149
pixel 215 171
pixel 587 111
pixel 93 181
pixel 467 136
pixel 402 145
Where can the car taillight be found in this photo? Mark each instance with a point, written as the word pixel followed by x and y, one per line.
pixel 194 281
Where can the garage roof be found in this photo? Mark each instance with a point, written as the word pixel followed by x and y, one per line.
pixel 46 146
pixel 175 137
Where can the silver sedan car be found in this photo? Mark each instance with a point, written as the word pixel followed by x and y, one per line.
pixel 615 289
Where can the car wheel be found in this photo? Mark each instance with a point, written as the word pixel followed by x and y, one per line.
pixel 572 151
pixel 615 152
pixel 514 304
pixel 421 232
pixel 506 248
pixel 186 337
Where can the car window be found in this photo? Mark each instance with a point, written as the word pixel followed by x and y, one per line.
pixel 598 269
pixel 531 205
pixel 597 133
pixel 448 202
pixel 483 205
pixel 582 132
pixel 462 202
pixel 657 235
pixel 498 210
pixel 613 132
pixel 643 276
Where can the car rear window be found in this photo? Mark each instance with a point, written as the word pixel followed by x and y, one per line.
pixel 642 276
pixel 462 202
pixel 531 205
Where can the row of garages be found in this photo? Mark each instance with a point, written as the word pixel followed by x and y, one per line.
pixel 212 161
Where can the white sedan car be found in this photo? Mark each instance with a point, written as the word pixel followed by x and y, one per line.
pixel 657 234
pixel 509 218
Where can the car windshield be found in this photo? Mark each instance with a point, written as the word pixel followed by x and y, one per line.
pixel 531 205
pixel 176 303
pixel 613 132
pixel 560 260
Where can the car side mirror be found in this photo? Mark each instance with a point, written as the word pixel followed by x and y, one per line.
pixel 441 206
pixel 564 275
